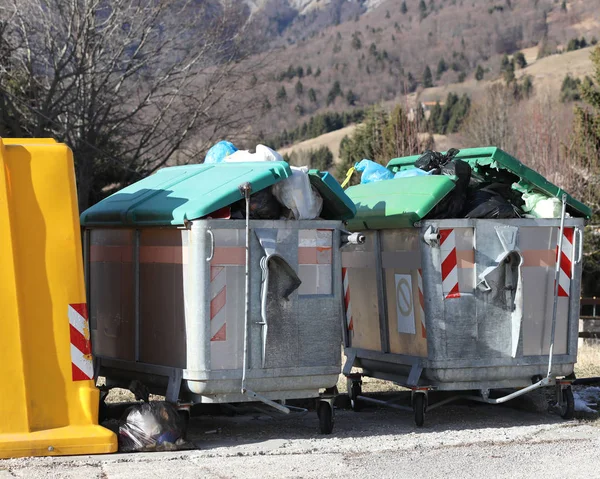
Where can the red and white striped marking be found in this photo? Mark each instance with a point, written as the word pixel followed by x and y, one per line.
pixel 82 366
pixel 218 300
pixel 566 265
pixel 347 306
pixel 421 303
pixel 449 264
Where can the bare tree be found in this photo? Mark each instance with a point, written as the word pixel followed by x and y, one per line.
pixel 128 84
pixel 489 123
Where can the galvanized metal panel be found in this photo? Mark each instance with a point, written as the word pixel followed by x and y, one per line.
pixel 111 315
pixel 474 340
pixel 162 318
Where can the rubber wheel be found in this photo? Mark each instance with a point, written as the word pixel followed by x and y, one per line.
pixel 325 417
pixel 354 390
pixel 419 409
pixel 567 408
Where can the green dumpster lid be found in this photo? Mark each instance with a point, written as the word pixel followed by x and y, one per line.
pixel 176 194
pixel 396 203
pixel 500 160
pixel 336 204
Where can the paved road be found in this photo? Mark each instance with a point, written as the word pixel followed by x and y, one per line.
pixel 457 441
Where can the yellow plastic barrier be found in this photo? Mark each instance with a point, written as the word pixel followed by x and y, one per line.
pixel 48 404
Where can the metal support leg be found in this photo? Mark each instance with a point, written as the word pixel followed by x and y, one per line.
pixel 174 386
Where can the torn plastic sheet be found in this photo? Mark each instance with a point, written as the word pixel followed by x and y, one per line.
pixel 272 290
pixel 504 281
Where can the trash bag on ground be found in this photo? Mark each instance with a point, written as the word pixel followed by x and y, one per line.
pixel 434 160
pixel 262 153
pixel 488 203
pixel 372 172
pixel 219 151
pixel 412 172
pixel 151 426
pixel 297 194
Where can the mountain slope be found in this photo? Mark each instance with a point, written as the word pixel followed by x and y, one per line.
pixel 379 52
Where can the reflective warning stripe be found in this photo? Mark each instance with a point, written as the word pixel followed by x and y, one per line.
pixel 421 303
pixel 347 306
pixel 449 264
pixel 82 367
pixel 218 301
pixel 566 265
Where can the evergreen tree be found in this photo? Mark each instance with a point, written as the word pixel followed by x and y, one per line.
pixel 520 60
pixel 281 94
pixel 427 78
pixel 479 73
pixel 312 95
pixel 441 68
pixel 308 71
pixel 422 9
pixel 318 72
pixel 351 98
pixel 411 83
pixel 404 8
pixel 299 88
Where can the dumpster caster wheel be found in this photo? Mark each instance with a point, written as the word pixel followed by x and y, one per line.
pixel 419 409
pixel 567 403
pixel 325 413
pixel 354 390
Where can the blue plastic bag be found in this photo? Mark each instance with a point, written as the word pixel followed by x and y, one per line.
pixel 412 172
pixel 372 172
pixel 219 151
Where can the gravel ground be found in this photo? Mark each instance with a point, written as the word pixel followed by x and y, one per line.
pixel 520 439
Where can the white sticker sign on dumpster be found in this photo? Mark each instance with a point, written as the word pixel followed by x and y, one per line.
pixel 405 309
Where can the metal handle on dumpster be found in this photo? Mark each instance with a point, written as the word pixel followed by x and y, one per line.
pixel 351 238
pixel 556 278
pixel 246 189
pixel 212 245
pixel 579 234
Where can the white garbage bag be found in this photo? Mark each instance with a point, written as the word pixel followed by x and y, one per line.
pixel 263 153
pixel 297 194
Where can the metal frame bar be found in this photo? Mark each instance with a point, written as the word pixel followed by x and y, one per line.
pixel 407 360
pixel 381 296
pixel 136 287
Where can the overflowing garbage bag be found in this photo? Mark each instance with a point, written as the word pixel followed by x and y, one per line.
pixel 293 198
pixel 218 152
pixel 434 160
pixel 262 153
pixel 487 202
pixel 151 426
pixel 372 172
pixel 412 172
pixel 297 194
pixel 453 205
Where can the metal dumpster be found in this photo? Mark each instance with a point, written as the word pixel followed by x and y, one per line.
pixel 461 304
pixel 179 303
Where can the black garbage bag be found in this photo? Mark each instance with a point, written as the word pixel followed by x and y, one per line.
pixel 434 160
pixel 453 205
pixel 151 426
pixel 263 206
pixel 489 203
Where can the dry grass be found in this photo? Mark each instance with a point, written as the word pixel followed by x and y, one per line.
pixel 588 360
pixel 331 140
